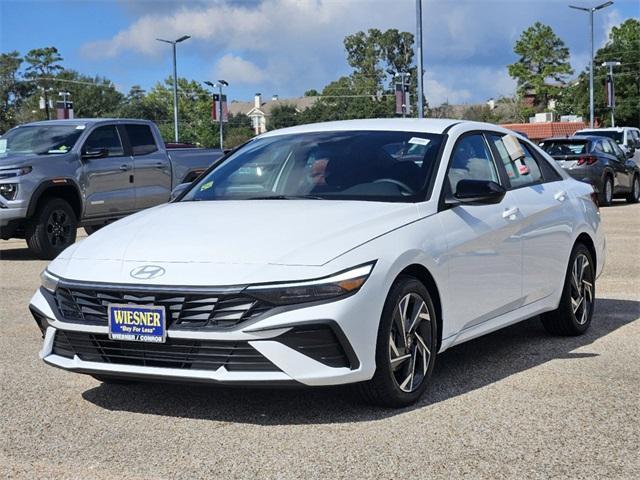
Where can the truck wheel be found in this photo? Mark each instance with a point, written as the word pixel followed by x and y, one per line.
pixel 52 228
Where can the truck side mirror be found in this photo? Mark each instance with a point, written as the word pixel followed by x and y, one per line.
pixel 95 153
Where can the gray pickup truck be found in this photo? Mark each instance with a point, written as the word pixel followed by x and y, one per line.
pixel 61 174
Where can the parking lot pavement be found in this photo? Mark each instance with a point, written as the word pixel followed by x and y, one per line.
pixel 514 404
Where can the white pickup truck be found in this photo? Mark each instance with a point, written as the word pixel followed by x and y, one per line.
pixel 60 174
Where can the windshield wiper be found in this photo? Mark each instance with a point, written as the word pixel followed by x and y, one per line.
pixel 286 197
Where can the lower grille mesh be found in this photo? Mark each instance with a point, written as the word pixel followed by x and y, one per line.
pixel 176 353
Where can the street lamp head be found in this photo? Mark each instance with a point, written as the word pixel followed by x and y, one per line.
pixel 207 82
pixel 223 82
pixel 183 38
pixel 603 5
pixel 611 64
pixel 163 40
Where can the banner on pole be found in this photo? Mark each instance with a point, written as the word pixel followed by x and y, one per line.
pixel 215 108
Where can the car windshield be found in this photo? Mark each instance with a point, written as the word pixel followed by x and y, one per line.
pixel 616 136
pixel 40 139
pixel 560 148
pixel 352 165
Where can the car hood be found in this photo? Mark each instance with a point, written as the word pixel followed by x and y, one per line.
pixel 234 236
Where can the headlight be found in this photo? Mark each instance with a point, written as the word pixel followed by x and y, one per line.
pixel 14 172
pixel 333 287
pixel 49 281
pixel 9 190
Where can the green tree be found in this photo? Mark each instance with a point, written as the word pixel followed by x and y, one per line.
pixel 44 63
pixel 623 46
pixel 282 116
pixel 92 97
pixel 543 59
pixel 11 90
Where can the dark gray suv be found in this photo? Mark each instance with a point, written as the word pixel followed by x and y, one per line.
pixel 599 161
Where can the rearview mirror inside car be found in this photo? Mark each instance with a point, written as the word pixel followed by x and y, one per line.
pixel 477 192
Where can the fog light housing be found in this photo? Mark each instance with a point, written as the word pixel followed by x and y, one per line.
pixel 9 190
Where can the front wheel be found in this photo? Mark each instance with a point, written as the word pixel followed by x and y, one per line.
pixel 573 315
pixel 634 194
pixel 406 346
pixel 52 229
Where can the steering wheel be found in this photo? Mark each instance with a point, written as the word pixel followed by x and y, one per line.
pixel 404 188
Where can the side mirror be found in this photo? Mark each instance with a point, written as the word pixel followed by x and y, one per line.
pixel 630 152
pixel 179 190
pixel 95 153
pixel 477 192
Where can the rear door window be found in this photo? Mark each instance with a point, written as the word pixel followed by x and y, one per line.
pixel 141 139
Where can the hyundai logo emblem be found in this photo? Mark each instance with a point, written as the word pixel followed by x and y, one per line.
pixel 147 272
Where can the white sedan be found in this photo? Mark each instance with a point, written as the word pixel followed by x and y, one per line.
pixel 343 252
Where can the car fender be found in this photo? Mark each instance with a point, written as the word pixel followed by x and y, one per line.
pixel 55 183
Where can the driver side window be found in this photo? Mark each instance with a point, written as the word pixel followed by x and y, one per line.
pixel 106 137
pixel 471 160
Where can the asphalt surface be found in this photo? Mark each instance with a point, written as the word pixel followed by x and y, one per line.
pixel 514 404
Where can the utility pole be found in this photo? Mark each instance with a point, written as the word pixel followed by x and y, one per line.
pixel 591 10
pixel 611 96
pixel 419 55
pixel 175 82
pixel 220 84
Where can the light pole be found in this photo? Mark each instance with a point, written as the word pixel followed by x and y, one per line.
pixel 220 84
pixel 175 82
pixel 419 55
pixel 591 10
pixel 611 93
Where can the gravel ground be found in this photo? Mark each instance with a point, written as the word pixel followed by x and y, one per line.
pixel 514 404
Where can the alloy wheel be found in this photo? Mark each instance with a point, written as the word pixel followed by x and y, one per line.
pixel 581 288
pixel 58 228
pixel 410 342
pixel 636 188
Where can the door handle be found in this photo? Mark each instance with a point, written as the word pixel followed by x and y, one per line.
pixel 561 196
pixel 159 165
pixel 125 168
pixel 511 213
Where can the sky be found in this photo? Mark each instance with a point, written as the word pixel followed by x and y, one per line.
pixel 285 47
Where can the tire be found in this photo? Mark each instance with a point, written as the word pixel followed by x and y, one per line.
pixel 634 194
pixel 52 228
pixel 395 383
pixel 606 196
pixel 573 315
pixel 91 229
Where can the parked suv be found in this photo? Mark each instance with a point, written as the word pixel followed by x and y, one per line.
pixel 599 161
pixel 628 138
pixel 59 174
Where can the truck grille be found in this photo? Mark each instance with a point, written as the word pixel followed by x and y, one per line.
pixel 183 310
pixel 175 353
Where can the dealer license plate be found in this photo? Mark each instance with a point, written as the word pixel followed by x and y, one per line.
pixel 137 323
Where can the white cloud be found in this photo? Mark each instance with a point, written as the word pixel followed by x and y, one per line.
pixel 235 69
pixel 294 45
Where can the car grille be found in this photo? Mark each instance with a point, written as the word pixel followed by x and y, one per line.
pixel 175 353
pixel 183 310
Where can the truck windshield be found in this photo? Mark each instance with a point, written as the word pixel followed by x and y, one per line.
pixel 612 134
pixel 40 139
pixel 353 165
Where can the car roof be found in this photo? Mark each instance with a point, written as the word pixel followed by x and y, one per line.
pixel 418 125
pixel 86 121
pixel 573 137
pixel 608 129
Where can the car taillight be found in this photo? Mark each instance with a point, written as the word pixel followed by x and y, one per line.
pixel 589 160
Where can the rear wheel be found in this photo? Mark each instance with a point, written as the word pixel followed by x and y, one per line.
pixel 573 315
pixel 406 346
pixel 634 194
pixel 606 196
pixel 52 228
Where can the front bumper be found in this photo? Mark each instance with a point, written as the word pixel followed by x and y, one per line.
pixel 274 337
